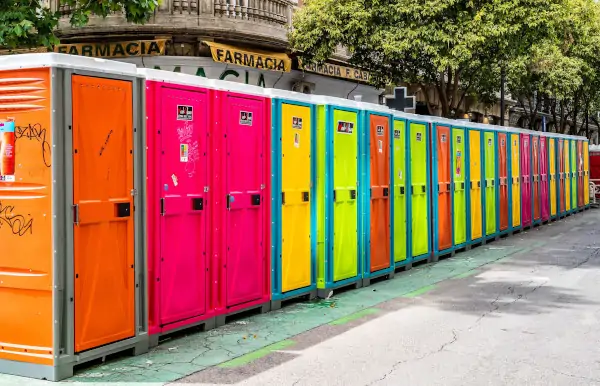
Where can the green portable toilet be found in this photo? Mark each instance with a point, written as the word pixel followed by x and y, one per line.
pixel 339 220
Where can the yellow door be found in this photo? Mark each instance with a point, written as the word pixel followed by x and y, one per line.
pixel 475 183
pixel 552 144
pixel 515 160
pixel 567 177
pixel 586 172
pixel 295 189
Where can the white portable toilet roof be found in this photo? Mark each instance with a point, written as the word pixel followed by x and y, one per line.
pixel 50 59
pixel 329 100
pixel 289 95
pixel 199 81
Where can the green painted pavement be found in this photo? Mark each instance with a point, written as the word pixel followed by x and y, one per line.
pixel 183 356
pixel 420 291
pixel 355 316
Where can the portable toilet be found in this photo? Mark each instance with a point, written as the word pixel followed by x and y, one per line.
pixel 376 160
pixel 441 186
pixel 544 182
pixel 241 187
pixel 552 175
pixel 73 290
pixel 475 174
pixel 515 177
pixel 179 210
pixel 536 177
pixel 460 209
pixel 504 191
pixel 580 177
pixel 586 172
pixel 293 203
pixel 526 188
pixel 490 177
pixel 401 200
pixel 563 159
pixel 419 176
pixel 573 164
pixel 339 247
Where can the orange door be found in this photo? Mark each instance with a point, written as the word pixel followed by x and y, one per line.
pixel 444 198
pixel 380 192
pixel 503 181
pixel 103 211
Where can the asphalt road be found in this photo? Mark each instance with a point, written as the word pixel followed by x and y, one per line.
pixel 530 319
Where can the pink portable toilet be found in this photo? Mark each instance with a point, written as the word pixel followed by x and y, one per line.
pixel 526 207
pixel 544 180
pixel 180 266
pixel 241 175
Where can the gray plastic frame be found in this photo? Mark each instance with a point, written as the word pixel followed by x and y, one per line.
pixel 65 357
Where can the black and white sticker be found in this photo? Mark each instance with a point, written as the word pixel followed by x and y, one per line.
pixel 379 130
pixel 419 137
pixel 396 134
pixel 459 139
pixel 443 138
pixel 246 118
pixel 345 127
pixel 185 113
pixel 502 142
pixel 489 142
pixel 297 123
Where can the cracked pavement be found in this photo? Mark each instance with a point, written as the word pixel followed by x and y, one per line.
pixel 524 310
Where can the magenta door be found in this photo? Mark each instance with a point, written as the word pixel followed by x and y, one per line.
pixel 525 180
pixel 245 183
pixel 183 206
pixel 545 201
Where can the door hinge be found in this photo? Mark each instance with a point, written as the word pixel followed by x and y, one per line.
pixel 133 192
pixel 206 189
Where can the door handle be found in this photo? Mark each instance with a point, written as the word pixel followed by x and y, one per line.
pixel 353 194
pixel 402 190
pixel 162 206
pixel 255 199
pixel 228 199
pixel 76 214
pixel 386 192
pixel 197 203
pixel 305 197
pixel 123 209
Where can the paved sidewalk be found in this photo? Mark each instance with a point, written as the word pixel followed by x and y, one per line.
pixel 257 349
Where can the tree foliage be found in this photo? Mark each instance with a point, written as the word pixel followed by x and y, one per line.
pixel 549 48
pixel 30 23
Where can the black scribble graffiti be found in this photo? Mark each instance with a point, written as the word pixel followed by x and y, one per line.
pixel 17 223
pixel 105 142
pixel 35 132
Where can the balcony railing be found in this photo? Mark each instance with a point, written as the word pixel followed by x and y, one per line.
pixel 270 11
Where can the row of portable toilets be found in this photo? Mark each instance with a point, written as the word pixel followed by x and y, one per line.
pixel 158 201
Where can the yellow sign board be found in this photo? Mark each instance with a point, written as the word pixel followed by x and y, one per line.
pixel 337 71
pixel 116 49
pixel 260 60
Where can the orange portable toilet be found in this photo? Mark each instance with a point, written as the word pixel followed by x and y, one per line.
pixel 72 276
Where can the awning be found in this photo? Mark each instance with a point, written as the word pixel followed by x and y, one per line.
pixel 261 60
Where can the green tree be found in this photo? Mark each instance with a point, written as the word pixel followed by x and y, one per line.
pixel 457 46
pixel 30 23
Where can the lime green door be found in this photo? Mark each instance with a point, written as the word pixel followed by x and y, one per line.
pixel 490 183
pixel 460 197
pixel 399 182
pixel 418 174
pixel 345 194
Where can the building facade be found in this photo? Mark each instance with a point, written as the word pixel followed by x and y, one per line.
pixel 236 40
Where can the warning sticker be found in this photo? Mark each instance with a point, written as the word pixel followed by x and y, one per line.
pixel 183 152
pixel 458 163
pixel 345 127
pixel 185 113
pixel 419 137
pixel 7 151
pixel 297 123
pixel 459 139
pixel 246 118
pixel 502 142
pixel 174 179
pixel 515 143
pixel 489 142
pixel 443 138
pixel 380 131
pixel 297 140
pixel 380 146
pixel 396 134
